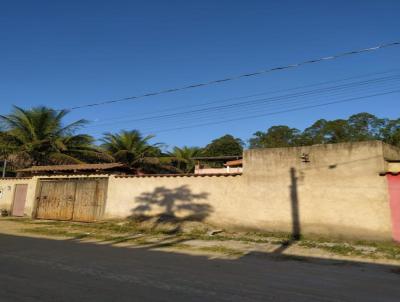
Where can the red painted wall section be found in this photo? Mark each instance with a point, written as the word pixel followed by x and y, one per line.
pixel 394 193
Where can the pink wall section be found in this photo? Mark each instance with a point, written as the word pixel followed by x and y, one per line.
pixel 394 192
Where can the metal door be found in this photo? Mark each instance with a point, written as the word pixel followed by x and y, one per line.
pixel 19 200
pixel 56 200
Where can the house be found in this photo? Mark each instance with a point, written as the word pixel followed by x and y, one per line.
pixel 234 166
pixel 218 164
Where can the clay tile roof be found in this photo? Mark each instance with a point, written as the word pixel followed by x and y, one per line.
pixel 237 162
pixel 74 167
pixel 226 157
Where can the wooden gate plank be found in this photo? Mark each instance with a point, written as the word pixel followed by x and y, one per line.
pixel 73 199
pixel 89 199
pixel 42 200
pixel 56 200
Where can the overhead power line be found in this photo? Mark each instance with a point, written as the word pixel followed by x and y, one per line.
pixel 246 75
pixel 226 100
pixel 277 112
pixel 259 102
pixel 288 105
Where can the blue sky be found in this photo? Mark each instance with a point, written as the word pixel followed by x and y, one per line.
pixel 68 53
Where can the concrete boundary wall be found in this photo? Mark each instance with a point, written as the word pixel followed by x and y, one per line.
pixel 7 191
pixel 332 190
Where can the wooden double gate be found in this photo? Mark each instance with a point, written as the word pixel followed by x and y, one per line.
pixel 72 199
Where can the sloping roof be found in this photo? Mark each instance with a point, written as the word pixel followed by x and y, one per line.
pixel 227 157
pixel 75 167
pixel 232 163
pixel 181 175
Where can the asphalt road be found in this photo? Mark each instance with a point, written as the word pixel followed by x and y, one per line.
pixel 46 270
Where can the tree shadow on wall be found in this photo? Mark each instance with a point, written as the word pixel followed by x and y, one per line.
pixel 172 205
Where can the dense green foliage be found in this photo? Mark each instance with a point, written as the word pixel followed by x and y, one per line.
pixel 358 127
pixel 225 145
pixel 39 137
pixel 130 147
pixel 182 158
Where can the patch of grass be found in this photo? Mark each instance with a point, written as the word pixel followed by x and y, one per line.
pixel 221 250
pixel 390 249
pixel 17 219
pixel 181 246
pixel 342 250
pixel 338 249
pixel 387 250
pixel 55 232
pixel 197 232
pixel 282 235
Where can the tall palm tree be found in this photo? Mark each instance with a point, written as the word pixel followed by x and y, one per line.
pixel 39 137
pixel 184 157
pixel 130 147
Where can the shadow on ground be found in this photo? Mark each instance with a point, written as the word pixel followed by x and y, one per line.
pixel 70 269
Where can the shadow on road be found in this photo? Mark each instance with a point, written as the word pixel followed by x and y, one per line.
pixel 96 272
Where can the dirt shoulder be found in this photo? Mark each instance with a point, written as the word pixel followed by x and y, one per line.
pixel 203 239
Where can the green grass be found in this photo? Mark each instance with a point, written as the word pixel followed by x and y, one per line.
pixel 55 232
pixel 118 231
pixel 220 250
pixel 18 219
pixel 383 249
pixel 339 249
pixel 181 246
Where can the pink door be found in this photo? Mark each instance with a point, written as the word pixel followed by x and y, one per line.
pixel 394 193
pixel 19 200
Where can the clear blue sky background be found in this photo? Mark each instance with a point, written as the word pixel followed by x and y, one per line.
pixel 66 53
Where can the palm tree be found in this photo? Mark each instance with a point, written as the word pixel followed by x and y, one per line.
pixel 184 157
pixel 38 137
pixel 130 147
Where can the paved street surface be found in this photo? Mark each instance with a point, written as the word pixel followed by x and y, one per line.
pixel 34 269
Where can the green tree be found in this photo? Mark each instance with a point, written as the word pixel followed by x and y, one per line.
pixel 358 127
pixel 130 148
pixel 325 132
pixel 315 134
pixel 275 137
pixel 183 157
pixel 224 146
pixel 365 126
pixel 390 132
pixel 337 131
pixel 39 137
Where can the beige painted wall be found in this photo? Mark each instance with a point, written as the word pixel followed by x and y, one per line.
pixel 339 192
pixel 7 186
